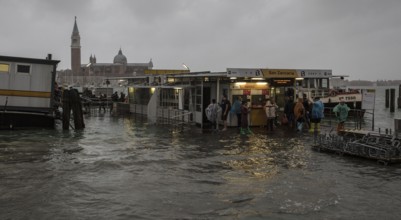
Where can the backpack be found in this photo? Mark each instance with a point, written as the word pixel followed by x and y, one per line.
pixel 236 107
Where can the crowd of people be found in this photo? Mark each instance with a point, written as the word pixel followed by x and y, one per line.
pixel 299 115
pixel 308 114
pixel 103 100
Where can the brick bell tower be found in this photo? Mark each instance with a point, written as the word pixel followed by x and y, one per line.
pixel 75 50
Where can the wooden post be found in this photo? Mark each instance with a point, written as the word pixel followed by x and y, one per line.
pixel 66 109
pixel 76 107
pixel 392 100
pixel 399 96
pixel 387 98
pixel 72 101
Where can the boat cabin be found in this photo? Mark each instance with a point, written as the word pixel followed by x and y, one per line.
pixel 27 90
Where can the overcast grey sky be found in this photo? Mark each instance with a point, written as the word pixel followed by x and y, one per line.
pixel 359 38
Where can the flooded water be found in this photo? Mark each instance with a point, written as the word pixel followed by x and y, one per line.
pixel 124 168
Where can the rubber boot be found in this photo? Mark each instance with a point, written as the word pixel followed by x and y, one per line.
pixel 339 128
pixel 249 131
pixel 312 127
pixel 318 127
pixel 242 131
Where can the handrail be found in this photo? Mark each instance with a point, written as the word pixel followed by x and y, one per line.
pixel 188 113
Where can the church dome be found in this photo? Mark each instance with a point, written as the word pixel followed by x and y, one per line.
pixel 120 58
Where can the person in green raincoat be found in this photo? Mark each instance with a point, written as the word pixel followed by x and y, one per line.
pixel 341 111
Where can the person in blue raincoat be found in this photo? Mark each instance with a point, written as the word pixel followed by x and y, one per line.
pixel 341 111
pixel 316 115
pixel 236 109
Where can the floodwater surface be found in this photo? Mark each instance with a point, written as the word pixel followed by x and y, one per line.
pixel 124 168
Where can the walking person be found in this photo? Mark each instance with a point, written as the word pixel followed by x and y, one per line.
pixel 225 107
pixel 299 114
pixel 289 110
pixel 236 109
pixel 212 114
pixel 317 115
pixel 244 119
pixel 114 99
pixel 307 106
pixel 270 109
pixel 341 111
pixel 102 102
pixel 122 97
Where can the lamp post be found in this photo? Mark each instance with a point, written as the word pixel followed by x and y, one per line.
pixel 186 67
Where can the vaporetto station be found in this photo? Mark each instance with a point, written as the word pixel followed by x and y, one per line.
pixel 184 95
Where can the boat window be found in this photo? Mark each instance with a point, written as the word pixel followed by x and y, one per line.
pixel 312 83
pixel 23 68
pixel 305 83
pixel 325 83
pixel 4 68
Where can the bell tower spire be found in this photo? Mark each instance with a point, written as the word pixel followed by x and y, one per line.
pixel 75 50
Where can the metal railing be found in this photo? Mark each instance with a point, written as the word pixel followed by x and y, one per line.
pixel 356 119
pixel 93 106
pixel 176 118
pixel 383 148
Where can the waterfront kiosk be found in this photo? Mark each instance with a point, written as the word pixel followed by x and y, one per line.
pixel 282 83
pixel 27 92
pixel 251 86
pixel 258 85
pixel 175 93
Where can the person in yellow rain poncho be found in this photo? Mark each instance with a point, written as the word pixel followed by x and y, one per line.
pixel 299 114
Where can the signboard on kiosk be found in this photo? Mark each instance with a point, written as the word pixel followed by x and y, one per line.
pixel 165 71
pixel 284 82
pixel 265 92
pixel 279 73
pixel 305 73
pixel 246 92
pixel 244 72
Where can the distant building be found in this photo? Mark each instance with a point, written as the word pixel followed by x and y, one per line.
pixel 93 73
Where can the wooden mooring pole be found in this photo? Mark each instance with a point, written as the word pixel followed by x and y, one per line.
pixel 72 101
pixel 66 109
pixel 387 98
pixel 392 100
pixel 399 97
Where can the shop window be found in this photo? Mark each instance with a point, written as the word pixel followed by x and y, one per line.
pixel 23 68
pixel 258 101
pixel 4 68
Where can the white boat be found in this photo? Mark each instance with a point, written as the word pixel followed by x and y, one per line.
pixel 317 83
